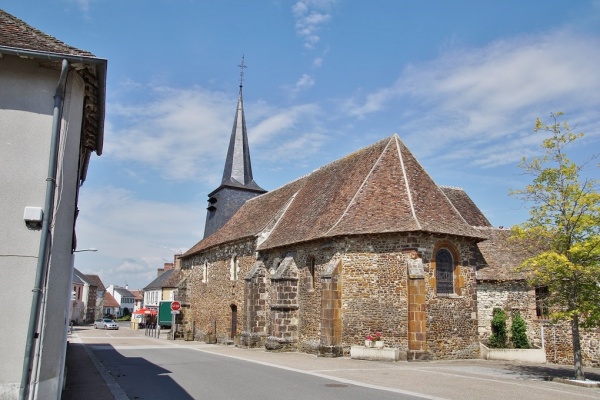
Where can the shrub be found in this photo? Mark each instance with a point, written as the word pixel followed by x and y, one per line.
pixel 499 338
pixel 518 330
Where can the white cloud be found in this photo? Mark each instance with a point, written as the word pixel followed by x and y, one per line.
pixel 171 132
pixel 283 123
pixel 310 17
pixel 84 5
pixel 306 81
pixel 480 104
pixel 137 235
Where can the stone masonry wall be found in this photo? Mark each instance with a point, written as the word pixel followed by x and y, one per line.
pixel 517 296
pixel 211 299
pixel 373 297
pixel 452 320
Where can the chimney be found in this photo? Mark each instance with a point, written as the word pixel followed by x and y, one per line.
pixel 168 266
pixel 159 272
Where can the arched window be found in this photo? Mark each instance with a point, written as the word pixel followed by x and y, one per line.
pixel 444 266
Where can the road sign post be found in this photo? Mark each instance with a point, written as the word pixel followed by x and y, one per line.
pixel 175 306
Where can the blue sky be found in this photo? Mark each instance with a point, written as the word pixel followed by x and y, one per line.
pixel 461 82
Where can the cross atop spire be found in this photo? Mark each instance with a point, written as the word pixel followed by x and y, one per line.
pixel 242 66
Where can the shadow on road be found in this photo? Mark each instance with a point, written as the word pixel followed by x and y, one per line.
pixel 546 371
pixel 137 377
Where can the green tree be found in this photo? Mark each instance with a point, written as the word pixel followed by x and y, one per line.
pixel 518 329
pixel 498 339
pixel 564 228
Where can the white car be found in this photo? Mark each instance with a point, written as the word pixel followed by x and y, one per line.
pixel 106 323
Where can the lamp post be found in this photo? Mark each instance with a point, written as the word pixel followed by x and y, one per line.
pixel 90 249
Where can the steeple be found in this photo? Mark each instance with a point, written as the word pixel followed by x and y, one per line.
pixel 237 185
pixel 238 167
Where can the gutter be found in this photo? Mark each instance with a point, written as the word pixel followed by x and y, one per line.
pixel 45 240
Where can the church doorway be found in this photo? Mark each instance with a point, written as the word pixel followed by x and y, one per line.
pixel 233 321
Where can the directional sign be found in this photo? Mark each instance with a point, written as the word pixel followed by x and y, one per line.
pixel 175 306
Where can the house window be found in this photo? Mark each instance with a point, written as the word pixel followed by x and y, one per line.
pixel 541 305
pixel 444 266
pixel 310 265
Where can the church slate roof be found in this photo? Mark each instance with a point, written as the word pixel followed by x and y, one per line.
pixel 379 189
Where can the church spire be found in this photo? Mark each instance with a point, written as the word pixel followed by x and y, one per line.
pixel 238 168
pixel 237 185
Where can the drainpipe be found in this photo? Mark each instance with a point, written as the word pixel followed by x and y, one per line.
pixel 45 240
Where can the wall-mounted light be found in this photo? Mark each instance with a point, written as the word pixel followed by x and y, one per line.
pixel 33 217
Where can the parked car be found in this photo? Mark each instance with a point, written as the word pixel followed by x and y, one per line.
pixel 105 323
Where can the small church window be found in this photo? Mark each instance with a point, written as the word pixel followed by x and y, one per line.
pixel 205 272
pixel 310 265
pixel 541 302
pixel 444 265
pixel 234 268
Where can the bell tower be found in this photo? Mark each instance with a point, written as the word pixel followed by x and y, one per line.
pixel 237 185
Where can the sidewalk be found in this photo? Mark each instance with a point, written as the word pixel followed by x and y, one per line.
pixel 83 380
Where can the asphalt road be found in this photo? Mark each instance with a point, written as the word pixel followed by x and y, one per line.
pixel 150 368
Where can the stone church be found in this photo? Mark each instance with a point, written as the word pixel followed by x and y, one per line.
pixel 366 243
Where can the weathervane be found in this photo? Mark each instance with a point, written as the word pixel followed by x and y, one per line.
pixel 242 66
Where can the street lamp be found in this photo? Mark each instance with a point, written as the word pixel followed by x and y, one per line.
pixel 90 249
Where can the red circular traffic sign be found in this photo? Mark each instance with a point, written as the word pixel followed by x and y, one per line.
pixel 175 306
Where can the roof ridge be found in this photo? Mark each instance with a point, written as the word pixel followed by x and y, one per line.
pixel 451 187
pixel 265 232
pixel 408 191
pixel 363 183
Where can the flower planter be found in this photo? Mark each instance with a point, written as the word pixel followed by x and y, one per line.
pixel 535 355
pixel 211 339
pixel 368 343
pixel 379 344
pixel 373 354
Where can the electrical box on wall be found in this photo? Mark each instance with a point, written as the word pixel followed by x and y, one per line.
pixel 33 214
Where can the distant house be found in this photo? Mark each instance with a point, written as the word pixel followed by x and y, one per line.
pixel 164 287
pixel 95 306
pixel 138 301
pixel 111 305
pixel 124 297
pixel 80 297
pixel 52 99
